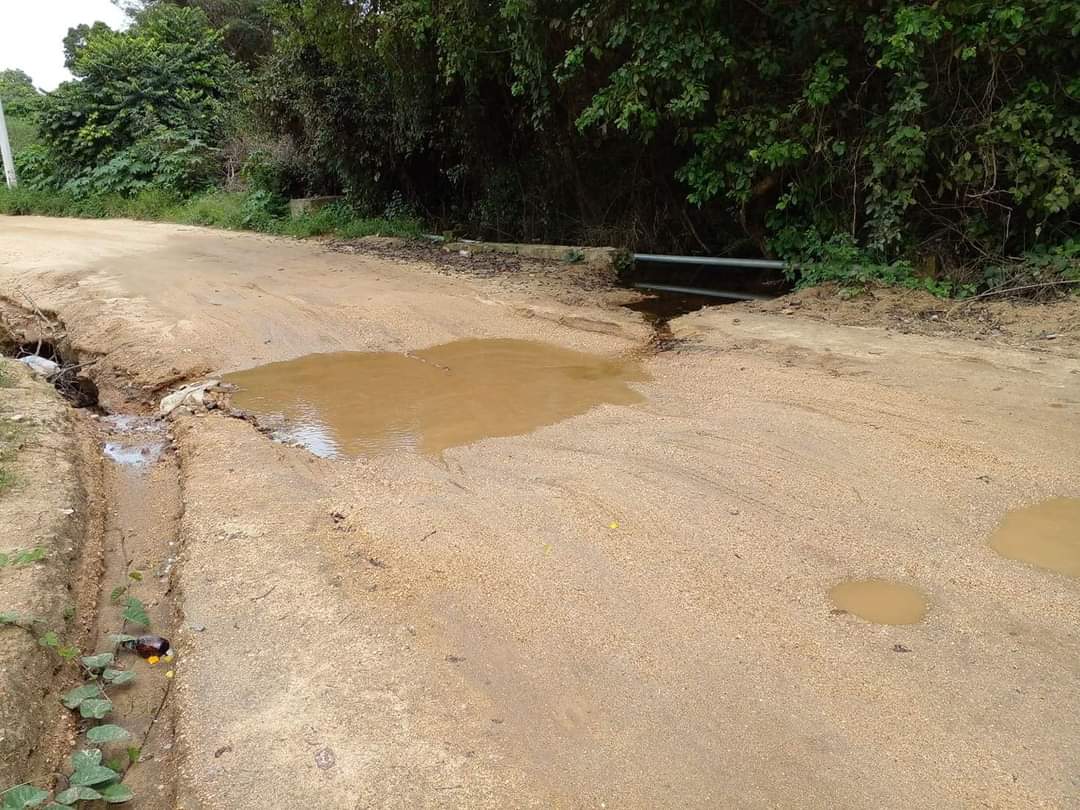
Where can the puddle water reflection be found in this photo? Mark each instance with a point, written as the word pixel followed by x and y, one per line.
pixel 1046 534
pixel 135 441
pixel 880 601
pixel 366 403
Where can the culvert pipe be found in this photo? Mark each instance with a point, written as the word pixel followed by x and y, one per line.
pixel 674 288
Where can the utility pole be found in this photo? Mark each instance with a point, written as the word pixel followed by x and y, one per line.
pixel 5 151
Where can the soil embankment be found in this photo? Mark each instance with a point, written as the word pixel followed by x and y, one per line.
pixel 629 607
pixel 50 510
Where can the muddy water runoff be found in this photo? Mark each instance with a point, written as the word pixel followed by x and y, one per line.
pixel 370 403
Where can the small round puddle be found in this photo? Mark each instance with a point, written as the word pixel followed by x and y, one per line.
pixel 1046 535
pixel 880 601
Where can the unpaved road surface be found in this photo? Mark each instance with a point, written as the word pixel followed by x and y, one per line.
pixel 628 608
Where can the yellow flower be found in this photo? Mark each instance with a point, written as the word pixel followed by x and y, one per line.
pixel 153 659
pixel 168 657
pixel 169 674
pixel 613 525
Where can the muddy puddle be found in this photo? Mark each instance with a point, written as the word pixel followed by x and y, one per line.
pixel 880 601
pixel 371 403
pixel 1046 535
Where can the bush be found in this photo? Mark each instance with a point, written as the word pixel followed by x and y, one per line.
pixel 25 201
pixel 22 132
pixel 148 107
pixel 35 168
pixel 217 209
pixel 255 211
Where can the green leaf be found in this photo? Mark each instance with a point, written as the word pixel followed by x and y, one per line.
pixel 121 638
pixel 136 575
pixel 28 556
pixel 135 612
pixel 4 559
pixel 106 733
pixel 116 593
pixel 77 794
pixel 133 754
pixel 117 794
pixel 9 618
pixel 95 708
pixel 23 796
pixel 93 775
pixel 117 763
pixel 80 693
pixel 81 760
pixel 118 677
pixel 97 661
pixel 55 806
pixel 50 639
pixel 68 652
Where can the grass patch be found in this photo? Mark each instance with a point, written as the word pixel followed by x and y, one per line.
pixel 256 211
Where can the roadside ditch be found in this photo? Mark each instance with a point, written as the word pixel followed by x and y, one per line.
pixel 90 509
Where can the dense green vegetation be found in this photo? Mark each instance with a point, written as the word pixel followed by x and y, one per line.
pixel 921 143
pixel 21 103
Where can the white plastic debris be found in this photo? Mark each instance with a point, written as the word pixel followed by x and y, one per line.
pixel 193 394
pixel 40 365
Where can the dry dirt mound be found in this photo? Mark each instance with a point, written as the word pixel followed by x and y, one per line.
pixel 592 280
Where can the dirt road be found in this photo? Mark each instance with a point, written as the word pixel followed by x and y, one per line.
pixel 628 608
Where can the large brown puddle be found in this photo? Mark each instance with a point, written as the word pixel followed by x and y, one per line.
pixel 880 601
pixel 1046 534
pixel 367 403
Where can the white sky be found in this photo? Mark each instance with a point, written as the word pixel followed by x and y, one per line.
pixel 32 33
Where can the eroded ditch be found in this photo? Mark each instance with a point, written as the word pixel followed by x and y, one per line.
pixel 123 579
pixel 141 548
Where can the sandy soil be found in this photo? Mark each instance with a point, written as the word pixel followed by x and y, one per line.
pixel 1050 325
pixel 470 631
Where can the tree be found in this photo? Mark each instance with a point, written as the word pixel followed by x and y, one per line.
pixel 947 128
pixel 148 107
pixel 244 24
pixel 21 99
pixel 77 39
pixel 821 131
